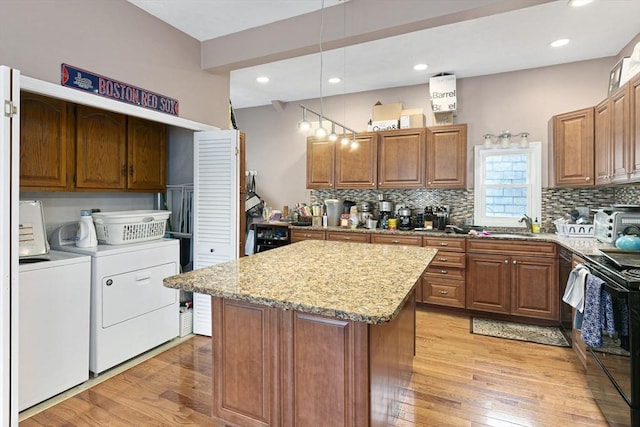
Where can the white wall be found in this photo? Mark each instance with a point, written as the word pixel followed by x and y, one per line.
pixel 516 101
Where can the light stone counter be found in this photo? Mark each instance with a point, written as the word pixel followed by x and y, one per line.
pixel 354 281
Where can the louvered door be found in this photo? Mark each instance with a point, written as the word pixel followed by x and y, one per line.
pixel 216 210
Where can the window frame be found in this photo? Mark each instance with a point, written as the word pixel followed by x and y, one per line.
pixel 534 184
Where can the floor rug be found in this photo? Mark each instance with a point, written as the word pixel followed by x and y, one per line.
pixel 519 331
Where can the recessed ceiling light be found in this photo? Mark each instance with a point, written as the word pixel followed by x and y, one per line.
pixel 262 79
pixel 420 67
pixel 334 80
pixel 559 42
pixel 578 3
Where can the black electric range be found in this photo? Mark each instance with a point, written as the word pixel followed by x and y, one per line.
pixel 613 370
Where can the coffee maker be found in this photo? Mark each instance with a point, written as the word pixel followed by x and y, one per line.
pixel 386 212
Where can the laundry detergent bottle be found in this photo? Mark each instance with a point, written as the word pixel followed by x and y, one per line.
pixel 86 234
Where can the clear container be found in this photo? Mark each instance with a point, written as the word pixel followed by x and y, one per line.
pixel 334 209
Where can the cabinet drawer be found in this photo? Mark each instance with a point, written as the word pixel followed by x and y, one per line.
pixel 396 240
pixel 298 235
pixel 345 236
pixel 511 247
pixel 449 259
pixel 448 244
pixel 443 292
pixel 445 272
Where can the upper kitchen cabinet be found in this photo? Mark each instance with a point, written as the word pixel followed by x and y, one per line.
pixel 614 153
pixel 146 155
pixel 320 163
pixel 356 164
pixel 101 156
pixel 602 142
pixel 634 126
pixel 572 155
pixel 401 158
pixel 119 153
pixel 46 143
pixel 447 156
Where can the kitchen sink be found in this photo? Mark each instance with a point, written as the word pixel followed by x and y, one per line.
pixel 510 235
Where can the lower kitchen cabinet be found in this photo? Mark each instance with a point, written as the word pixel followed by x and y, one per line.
pixel 443 283
pixel 299 235
pixel 519 285
pixel 346 236
pixel 396 240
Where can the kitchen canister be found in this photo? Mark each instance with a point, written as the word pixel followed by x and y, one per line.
pixel 86 233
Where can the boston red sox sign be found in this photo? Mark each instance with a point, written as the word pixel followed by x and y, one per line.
pixel 89 82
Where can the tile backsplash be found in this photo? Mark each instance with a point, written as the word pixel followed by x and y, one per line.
pixel 555 201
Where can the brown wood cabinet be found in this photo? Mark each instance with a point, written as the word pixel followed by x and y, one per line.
pixel 602 141
pixel 356 167
pixel 572 154
pixel 46 143
pixel 634 125
pixel 396 240
pixel 620 134
pixel 346 236
pixel 515 278
pixel 119 153
pixel 320 163
pixel 401 158
pixel 447 156
pixel 270 366
pixel 298 235
pixel 101 156
pixel 443 283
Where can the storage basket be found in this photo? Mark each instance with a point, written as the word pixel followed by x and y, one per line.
pixel 118 228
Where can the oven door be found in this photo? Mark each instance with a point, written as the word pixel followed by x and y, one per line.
pixel 609 367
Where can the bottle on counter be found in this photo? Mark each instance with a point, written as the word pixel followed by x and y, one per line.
pixel 535 227
pixel 86 232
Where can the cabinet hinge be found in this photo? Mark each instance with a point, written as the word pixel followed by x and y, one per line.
pixel 10 108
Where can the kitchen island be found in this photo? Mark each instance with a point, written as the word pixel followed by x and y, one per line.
pixel 313 333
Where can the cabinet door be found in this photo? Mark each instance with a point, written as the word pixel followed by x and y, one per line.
pixel 401 158
pixel 487 285
pixel 101 161
pixel 620 134
pixel 634 126
pixel 573 148
pixel 46 143
pixel 603 143
pixel 356 167
pixel 147 158
pixel 320 163
pixel 447 156
pixel 534 287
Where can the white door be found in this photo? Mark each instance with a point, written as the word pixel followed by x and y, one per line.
pixel 9 196
pixel 215 202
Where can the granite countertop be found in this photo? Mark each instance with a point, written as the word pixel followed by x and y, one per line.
pixel 354 281
pixel 578 245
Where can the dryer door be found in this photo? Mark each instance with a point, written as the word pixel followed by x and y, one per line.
pixel 132 294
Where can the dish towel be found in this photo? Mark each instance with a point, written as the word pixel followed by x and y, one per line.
pixel 598 313
pixel 574 291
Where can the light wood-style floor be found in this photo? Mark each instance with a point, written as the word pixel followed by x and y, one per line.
pixel 459 379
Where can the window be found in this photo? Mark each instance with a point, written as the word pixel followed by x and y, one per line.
pixel 507 185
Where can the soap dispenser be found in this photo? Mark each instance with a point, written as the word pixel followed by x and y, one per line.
pixel 535 227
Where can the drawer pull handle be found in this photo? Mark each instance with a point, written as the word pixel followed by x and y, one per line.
pixel 443 292
pixel 444 272
pixel 395 241
pixel 514 261
pixel 506 261
pixel 444 244
pixel 443 259
pixel 347 238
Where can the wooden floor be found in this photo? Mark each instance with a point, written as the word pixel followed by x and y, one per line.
pixel 459 379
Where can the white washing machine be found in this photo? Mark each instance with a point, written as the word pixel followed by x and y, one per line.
pixel 131 310
pixel 53 328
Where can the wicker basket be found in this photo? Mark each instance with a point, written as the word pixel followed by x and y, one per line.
pixel 118 228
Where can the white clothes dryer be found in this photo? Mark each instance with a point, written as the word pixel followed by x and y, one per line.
pixel 131 310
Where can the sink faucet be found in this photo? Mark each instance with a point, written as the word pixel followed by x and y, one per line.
pixel 527 220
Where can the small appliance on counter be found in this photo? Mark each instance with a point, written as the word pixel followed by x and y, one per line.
pixel 32 240
pixel 436 217
pixel 404 219
pixel 610 223
pixel 386 211
pixel 333 209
